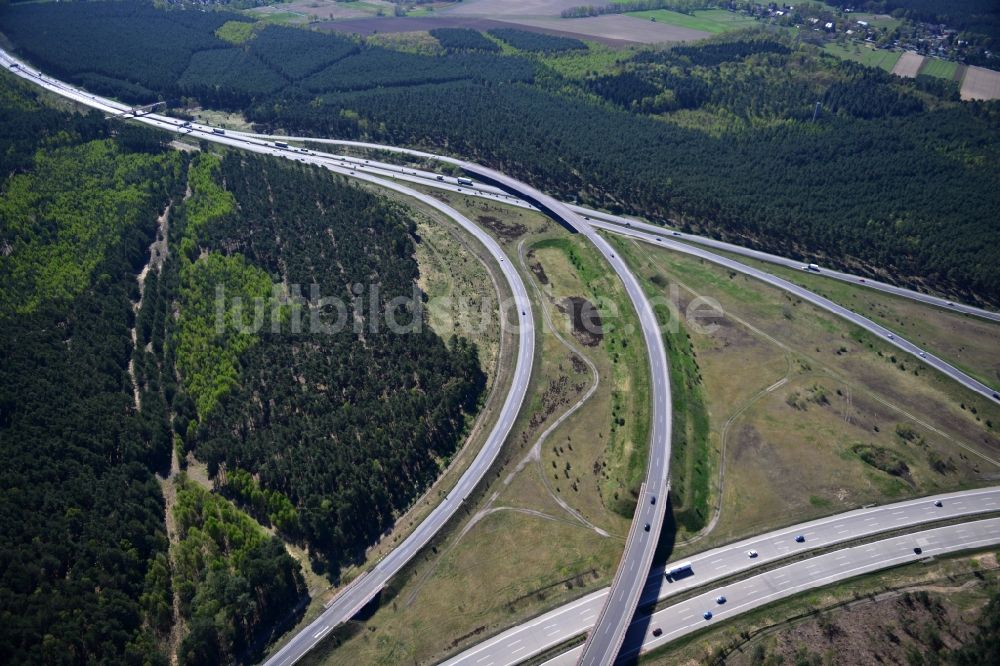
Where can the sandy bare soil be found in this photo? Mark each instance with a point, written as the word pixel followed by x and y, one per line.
pixel 372 25
pixel 618 28
pixel 908 65
pixel 369 26
pixel 511 8
pixel 981 83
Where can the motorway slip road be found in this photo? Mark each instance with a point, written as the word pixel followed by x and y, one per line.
pixel 647 521
pixel 559 625
pixel 887 336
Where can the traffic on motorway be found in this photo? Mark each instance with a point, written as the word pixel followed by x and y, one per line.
pixel 630 585
pixel 700 570
pixel 363 589
pixel 716 605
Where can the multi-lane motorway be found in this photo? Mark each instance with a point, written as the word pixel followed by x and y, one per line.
pixel 560 625
pixel 430 178
pixel 742 596
pixel 649 514
pixel 362 590
pixel 609 632
pixel 888 336
pixel 675 241
pixel 796 264
pixel 618 607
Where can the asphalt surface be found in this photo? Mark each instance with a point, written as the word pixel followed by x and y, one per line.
pixel 609 632
pixel 796 264
pixel 363 589
pixel 603 645
pixel 558 626
pixel 429 178
pixel 688 617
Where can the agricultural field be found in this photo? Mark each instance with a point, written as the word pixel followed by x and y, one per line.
pixel 981 83
pixel 885 60
pixel 941 69
pixel 711 20
pixel 908 65
pixel 810 416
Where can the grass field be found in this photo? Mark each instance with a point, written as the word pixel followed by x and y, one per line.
pixel 235 32
pixel 285 18
pixel 878 20
pixel 864 54
pixel 693 464
pixel 941 69
pixel 849 622
pixel 597 59
pixel 798 400
pixel 574 269
pixel 710 20
pixel 969 343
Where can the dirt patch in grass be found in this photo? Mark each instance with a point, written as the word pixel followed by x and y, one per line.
pixel 584 318
pixel 505 231
pixel 537 269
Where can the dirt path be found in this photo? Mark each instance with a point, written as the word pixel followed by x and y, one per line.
pixel 157 254
pixel 179 628
pixel 535 454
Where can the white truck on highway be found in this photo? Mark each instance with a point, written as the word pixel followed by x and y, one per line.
pixel 811 267
pixel 465 181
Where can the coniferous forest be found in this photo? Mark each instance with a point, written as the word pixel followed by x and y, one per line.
pixel 894 178
pixel 323 436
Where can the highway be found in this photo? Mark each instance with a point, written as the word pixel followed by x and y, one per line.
pixel 430 178
pixel 671 239
pixel 615 617
pixel 618 609
pixel 561 624
pixel 606 638
pixel 796 264
pixel 363 589
pixel 688 616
